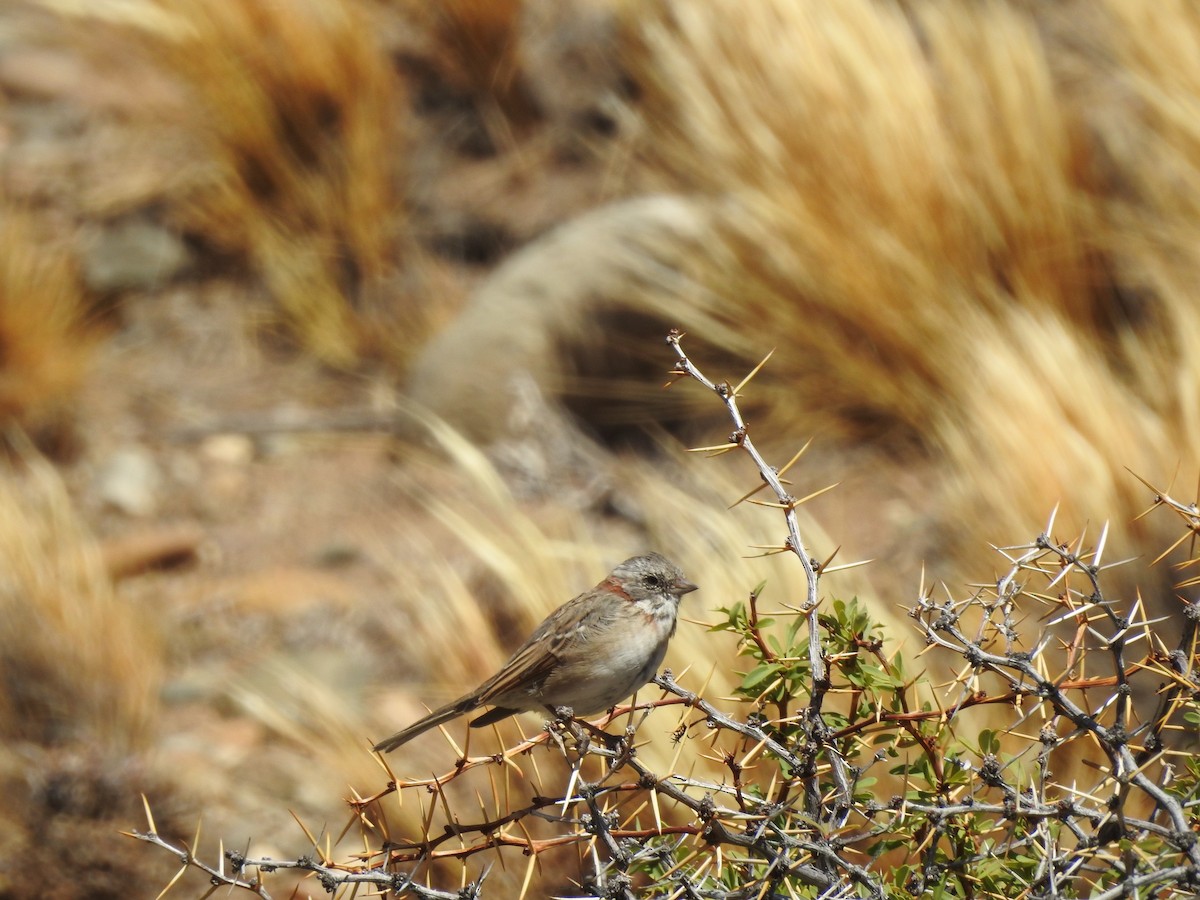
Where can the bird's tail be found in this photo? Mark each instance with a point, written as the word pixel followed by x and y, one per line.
pixel 434 719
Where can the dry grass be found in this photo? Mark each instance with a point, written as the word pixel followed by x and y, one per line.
pixel 872 200
pixel 44 346
pixel 300 121
pixel 80 672
pixel 78 664
pixel 480 38
pixel 965 229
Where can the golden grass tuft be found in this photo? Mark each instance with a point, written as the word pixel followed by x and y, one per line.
pixel 870 200
pixel 967 228
pixel 76 663
pixel 80 672
pixel 481 40
pixel 44 346
pixel 300 120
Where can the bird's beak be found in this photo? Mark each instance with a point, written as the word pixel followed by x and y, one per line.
pixel 682 586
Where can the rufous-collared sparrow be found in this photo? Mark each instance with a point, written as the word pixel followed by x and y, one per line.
pixel 590 653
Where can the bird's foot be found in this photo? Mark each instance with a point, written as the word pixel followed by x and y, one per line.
pixel 563 723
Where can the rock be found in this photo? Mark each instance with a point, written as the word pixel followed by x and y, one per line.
pixel 230 449
pixel 569 304
pixel 130 480
pixel 40 73
pixel 133 254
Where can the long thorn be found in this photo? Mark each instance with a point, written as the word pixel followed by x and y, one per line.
pixel 737 390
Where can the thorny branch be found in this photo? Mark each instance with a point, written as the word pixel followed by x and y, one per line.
pixel 981 816
pixel 991 649
pixel 331 876
pixel 740 438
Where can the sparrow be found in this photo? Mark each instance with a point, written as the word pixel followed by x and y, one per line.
pixel 589 654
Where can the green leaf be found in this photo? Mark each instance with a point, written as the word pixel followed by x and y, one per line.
pixel 988 742
pixel 759 674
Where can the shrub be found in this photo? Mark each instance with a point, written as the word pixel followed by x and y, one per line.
pixel 842 769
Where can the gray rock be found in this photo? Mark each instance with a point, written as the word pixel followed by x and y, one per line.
pixel 133 254
pixel 129 480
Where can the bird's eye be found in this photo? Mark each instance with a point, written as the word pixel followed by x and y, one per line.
pixel 654 581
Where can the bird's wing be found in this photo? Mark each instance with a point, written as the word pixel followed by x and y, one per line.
pixel 536 658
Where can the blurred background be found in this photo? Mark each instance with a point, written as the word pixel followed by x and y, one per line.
pixel 331 354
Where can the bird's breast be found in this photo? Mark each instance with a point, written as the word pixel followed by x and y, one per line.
pixel 610 666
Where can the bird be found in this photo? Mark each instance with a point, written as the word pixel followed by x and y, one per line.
pixel 589 654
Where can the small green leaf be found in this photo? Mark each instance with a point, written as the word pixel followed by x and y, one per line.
pixel 988 742
pixel 758 675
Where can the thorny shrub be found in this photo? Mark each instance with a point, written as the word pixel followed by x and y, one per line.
pixel 1055 763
